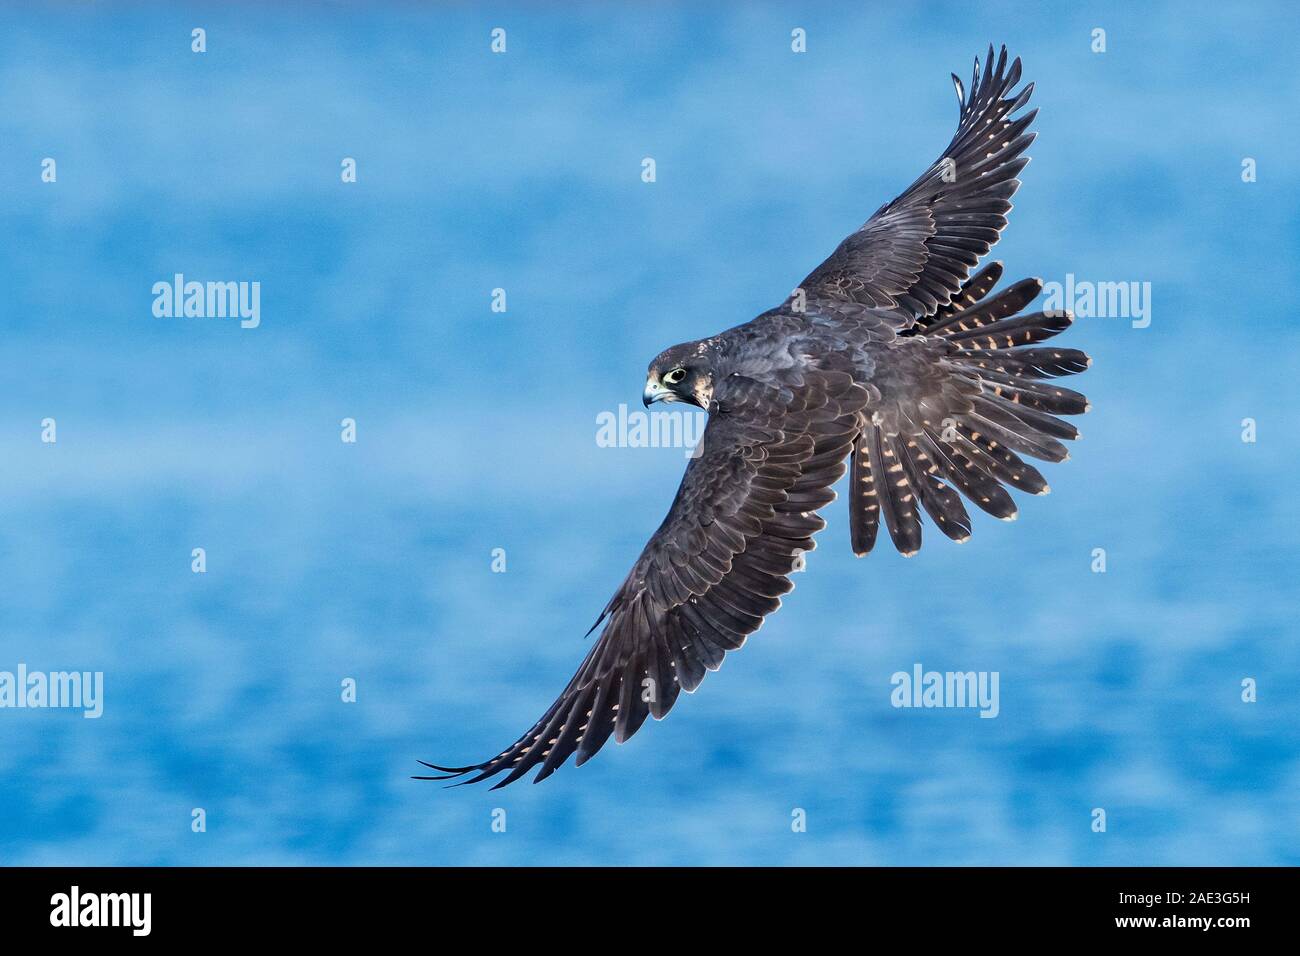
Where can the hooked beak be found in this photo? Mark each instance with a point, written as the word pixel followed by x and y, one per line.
pixel 655 392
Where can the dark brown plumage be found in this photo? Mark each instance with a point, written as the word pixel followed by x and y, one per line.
pixel 890 356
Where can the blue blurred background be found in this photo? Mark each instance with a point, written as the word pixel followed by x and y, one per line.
pixel 476 431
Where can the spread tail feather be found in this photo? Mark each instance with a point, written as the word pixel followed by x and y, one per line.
pixel 981 398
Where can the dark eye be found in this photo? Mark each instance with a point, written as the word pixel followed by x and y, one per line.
pixel 675 376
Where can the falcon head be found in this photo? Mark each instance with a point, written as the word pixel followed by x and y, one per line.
pixel 680 374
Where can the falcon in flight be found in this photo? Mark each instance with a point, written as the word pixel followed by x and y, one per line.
pixel 891 360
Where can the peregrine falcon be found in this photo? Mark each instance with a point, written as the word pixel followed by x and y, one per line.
pixel 891 361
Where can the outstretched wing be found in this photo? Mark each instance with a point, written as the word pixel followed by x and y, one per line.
pixel 745 512
pixel 913 255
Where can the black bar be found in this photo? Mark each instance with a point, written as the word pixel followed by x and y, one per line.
pixel 213 905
